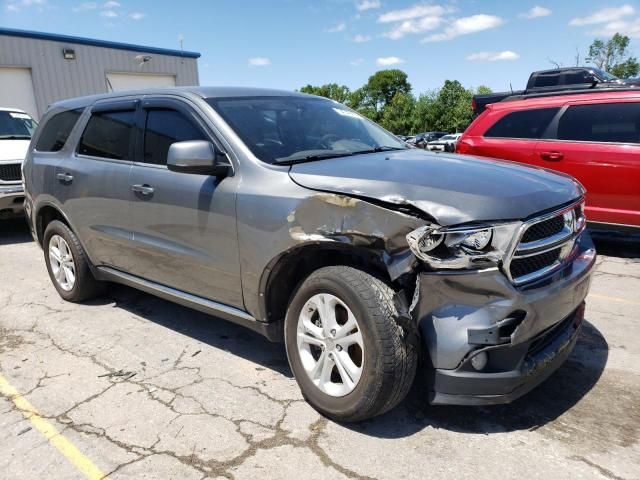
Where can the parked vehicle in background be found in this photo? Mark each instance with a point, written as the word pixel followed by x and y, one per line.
pixel 556 80
pixel 16 128
pixel 446 143
pixel 420 140
pixel 300 219
pixel 594 137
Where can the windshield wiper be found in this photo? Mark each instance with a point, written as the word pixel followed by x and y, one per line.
pixel 383 148
pixel 15 137
pixel 310 158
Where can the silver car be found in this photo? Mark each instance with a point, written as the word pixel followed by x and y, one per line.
pixel 298 218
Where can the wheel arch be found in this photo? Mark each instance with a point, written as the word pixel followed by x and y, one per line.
pixel 45 214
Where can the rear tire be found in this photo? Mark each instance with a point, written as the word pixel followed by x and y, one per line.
pixel 68 265
pixel 351 390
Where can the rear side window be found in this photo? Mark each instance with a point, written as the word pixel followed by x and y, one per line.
pixel 108 135
pixel 547 80
pixel 56 131
pixel 164 127
pixel 612 122
pixel 523 124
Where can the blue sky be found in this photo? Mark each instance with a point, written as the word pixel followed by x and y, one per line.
pixel 289 43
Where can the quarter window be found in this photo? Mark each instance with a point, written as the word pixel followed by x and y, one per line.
pixel 612 122
pixel 163 128
pixel 56 131
pixel 523 124
pixel 108 135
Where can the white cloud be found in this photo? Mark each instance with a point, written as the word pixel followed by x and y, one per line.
pixel 606 15
pixel 357 62
pixel 110 4
pixel 536 12
pixel 387 61
pixel 419 25
pixel 137 15
pixel 361 38
pixel 410 13
pixel 85 6
pixel 493 56
pixel 630 28
pixel 365 5
pixel 17 5
pixel 466 26
pixel 340 27
pixel 108 14
pixel 259 62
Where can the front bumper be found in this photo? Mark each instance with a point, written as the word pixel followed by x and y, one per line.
pixel 526 332
pixel 11 200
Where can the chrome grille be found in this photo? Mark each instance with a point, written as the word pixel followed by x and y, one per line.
pixel 10 172
pixel 545 243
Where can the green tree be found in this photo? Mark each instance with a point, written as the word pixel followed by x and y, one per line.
pixel 339 93
pixel 380 89
pixel 397 116
pixel 613 56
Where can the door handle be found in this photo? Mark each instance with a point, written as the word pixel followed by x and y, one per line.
pixel 552 156
pixel 143 189
pixel 64 177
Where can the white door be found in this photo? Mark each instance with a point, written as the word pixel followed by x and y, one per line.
pixel 16 90
pixel 118 81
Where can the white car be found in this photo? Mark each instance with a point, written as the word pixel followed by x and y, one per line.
pixel 16 129
pixel 446 143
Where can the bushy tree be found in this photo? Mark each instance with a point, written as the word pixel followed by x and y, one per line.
pixel 379 91
pixel 339 93
pixel 613 56
pixel 397 115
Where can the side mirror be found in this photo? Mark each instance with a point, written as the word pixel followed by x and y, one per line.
pixel 591 79
pixel 198 157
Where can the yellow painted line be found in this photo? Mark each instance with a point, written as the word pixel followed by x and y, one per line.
pixel 55 438
pixel 613 299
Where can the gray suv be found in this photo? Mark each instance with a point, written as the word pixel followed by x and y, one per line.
pixel 296 217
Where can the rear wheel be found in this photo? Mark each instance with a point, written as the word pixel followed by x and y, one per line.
pixel 67 264
pixel 348 352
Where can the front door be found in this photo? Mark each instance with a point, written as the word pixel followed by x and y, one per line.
pixel 184 224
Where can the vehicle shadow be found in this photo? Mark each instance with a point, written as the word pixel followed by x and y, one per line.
pixel 14 231
pixel 215 332
pixel 617 244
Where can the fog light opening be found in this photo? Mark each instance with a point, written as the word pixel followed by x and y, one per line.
pixel 479 361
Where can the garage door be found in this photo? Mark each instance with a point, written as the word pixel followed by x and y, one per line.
pixel 117 81
pixel 16 90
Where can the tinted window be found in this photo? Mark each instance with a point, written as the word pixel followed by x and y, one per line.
pixel 523 124
pixel 613 122
pixel 163 128
pixel 282 128
pixel 56 131
pixel 577 77
pixel 547 80
pixel 108 135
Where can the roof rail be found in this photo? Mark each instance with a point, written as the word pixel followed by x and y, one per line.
pixel 572 91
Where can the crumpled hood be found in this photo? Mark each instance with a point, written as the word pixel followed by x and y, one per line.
pixel 13 149
pixel 453 189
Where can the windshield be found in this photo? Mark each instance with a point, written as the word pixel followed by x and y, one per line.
pixel 281 129
pixel 606 75
pixel 448 137
pixel 16 126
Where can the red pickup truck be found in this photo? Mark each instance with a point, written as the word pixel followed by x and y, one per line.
pixel 595 137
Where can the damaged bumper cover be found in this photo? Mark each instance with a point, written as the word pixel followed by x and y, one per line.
pixel 523 333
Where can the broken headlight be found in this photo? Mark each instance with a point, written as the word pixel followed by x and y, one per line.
pixel 462 247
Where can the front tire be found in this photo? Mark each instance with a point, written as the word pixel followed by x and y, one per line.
pixel 351 357
pixel 68 265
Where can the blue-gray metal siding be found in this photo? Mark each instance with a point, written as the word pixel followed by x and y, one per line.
pixel 55 78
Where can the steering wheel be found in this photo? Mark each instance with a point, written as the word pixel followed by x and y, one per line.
pixel 324 141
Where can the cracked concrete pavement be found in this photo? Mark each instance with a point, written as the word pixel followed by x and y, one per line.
pixel 148 389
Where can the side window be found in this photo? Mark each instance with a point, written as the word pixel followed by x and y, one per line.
pixel 547 80
pixel 611 122
pixel 575 78
pixel 523 124
pixel 108 135
pixel 56 131
pixel 164 127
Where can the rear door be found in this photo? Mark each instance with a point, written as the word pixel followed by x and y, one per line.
pixel 599 144
pixel 514 135
pixel 92 182
pixel 185 224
